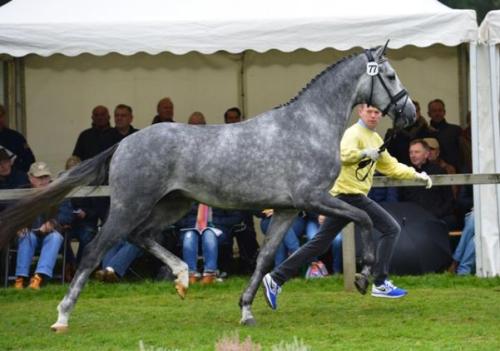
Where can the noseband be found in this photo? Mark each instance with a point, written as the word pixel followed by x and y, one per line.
pixel 394 98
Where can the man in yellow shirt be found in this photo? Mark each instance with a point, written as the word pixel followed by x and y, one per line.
pixel 360 142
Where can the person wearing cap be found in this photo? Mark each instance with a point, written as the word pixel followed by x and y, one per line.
pixel 435 157
pixel 15 143
pixel 44 233
pixel 10 176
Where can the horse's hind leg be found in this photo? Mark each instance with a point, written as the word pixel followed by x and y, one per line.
pixel 178 267
pixel 280 223
pixel 116 228
pixel 167 211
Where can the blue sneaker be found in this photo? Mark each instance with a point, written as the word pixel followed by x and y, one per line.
pixel 388 290
pixel 271 291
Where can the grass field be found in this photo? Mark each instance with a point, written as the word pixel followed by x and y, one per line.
pixel 441 312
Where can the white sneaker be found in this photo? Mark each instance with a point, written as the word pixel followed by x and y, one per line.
pixel 388 290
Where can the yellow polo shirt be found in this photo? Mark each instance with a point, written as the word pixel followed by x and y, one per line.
pixel 355 139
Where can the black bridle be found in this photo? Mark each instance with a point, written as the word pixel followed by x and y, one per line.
pixel 394 98
pixel 397 112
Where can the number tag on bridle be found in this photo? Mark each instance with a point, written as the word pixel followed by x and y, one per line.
pixel 372 68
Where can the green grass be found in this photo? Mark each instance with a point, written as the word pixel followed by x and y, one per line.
pixel 441 312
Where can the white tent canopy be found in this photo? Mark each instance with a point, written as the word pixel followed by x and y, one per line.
pixel 489 31
pixel 153 26
pixel 487 146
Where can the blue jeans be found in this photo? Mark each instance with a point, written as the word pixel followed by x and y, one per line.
pixel 209 245
pixel 84 234
pixel 312 228
pixel 290 242
pixel 49 248
pixel 465 253
pixel 120 257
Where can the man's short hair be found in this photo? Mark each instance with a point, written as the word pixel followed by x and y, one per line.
pixel 232 109
pixel 162 100
pixel 420 141
pixel 123 106
pixel 435 100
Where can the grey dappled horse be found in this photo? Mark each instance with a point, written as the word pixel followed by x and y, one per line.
pixel 286 159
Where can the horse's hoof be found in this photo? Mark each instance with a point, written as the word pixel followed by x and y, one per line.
pixel 183 278
pixel 181 290
pixel 248 322
pixel 182 283
pixel 361 283
pixel 59 328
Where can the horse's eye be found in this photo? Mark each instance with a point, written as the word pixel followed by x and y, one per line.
pixel 391 76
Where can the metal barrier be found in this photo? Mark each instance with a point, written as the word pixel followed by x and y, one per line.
pixel 442 179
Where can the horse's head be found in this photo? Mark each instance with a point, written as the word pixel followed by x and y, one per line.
pixel 382 88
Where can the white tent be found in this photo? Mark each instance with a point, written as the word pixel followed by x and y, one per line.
pixel 487 145
pixel 208 31
pixel 204 32
pixel 153 26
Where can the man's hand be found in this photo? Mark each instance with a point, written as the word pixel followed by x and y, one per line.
pixel 268 212
pixel 372 154
pixel 47 227
pixel 22 232
pixel 424 177
pixel 321 219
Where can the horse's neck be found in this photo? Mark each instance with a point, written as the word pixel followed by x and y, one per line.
pixel 335 93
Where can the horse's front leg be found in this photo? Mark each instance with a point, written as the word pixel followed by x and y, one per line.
pixel 280 223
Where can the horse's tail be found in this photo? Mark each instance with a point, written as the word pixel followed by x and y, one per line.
pixel 24 212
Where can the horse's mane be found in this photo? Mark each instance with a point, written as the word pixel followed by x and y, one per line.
pixel 332 67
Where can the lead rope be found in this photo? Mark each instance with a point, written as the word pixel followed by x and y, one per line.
pixel 368 161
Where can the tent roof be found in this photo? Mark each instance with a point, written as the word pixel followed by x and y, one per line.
pixel 153 26
pixel 489 31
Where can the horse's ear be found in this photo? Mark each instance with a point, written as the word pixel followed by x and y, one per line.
pixel 380 50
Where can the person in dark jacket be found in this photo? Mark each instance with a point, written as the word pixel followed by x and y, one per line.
pixel 15 144
pixel 123 116
pixel 449 135
pixel 10 177
pixel 439 199
pixel 399 142
pixel 165 111
pixel 96 139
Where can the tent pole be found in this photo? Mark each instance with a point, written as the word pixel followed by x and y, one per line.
pixel 463 92
pixel 494 81
pixel 14 99
pixel 475 151
pixel 242 85
pixel 495 115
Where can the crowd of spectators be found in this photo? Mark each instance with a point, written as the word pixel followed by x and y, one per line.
pixel 205 237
